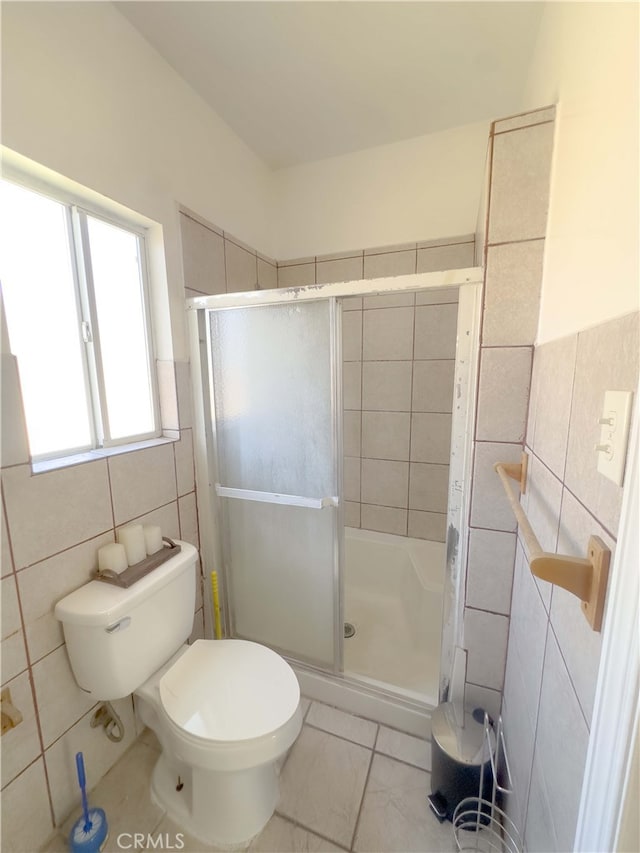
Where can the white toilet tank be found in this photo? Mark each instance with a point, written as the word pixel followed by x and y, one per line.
pixel 117 638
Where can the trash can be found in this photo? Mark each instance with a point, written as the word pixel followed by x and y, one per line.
pixel 459 758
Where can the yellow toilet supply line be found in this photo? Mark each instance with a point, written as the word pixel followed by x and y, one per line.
pixel 216 606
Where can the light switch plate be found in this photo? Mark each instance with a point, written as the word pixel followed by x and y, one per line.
pixel 614 434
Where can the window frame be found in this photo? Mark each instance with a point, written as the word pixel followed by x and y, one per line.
pixel 77 211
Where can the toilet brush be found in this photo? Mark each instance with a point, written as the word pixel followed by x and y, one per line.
pixel 90 831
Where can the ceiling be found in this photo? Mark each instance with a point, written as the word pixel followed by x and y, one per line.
pixel 302 81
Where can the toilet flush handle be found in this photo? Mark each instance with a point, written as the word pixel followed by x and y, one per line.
pixel 118 626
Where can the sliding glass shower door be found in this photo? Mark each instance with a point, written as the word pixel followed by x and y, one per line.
pixel 274 397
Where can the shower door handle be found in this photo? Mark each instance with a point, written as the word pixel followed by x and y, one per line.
pixel 276 498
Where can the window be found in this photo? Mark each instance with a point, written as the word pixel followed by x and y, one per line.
pixel 75 295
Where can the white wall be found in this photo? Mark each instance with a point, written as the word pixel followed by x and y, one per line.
pixel 587 60
pixel 422 188
pixel 85 95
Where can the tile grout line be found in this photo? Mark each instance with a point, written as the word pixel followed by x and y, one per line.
pixel 364 791
pixel 522 126
pixel 303 826
pixel 342 737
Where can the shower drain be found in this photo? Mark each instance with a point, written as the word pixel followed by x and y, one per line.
pixel 349 630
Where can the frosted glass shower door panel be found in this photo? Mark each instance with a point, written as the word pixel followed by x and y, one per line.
pixel 277 474
pixel 281 574
pixel 272 390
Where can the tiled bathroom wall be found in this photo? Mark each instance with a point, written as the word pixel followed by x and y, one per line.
pixel 216 262
pixel 52 526
pixel 513 225
pixel 554 654
pixel 403 259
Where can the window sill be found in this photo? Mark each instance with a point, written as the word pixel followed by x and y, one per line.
pixel 44 465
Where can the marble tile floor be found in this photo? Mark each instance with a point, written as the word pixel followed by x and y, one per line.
pixel 348 784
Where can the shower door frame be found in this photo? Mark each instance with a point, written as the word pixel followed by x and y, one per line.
pixel 205 451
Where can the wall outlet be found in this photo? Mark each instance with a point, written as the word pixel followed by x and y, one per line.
pixel 614 434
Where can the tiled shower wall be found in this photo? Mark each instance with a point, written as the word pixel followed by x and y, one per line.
pixel 52 526
pixel 398 367
pixel 554 655
pixel 398 358
pixel 398 354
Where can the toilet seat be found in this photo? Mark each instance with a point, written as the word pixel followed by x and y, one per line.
pixel 229 691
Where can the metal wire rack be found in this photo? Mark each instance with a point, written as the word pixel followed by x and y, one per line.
pixel 480 824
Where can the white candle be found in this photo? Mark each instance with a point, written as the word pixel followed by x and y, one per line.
pixel 132 537
pixel 152 538
pixel 112 557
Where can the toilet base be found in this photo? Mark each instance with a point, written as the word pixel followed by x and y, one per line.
pixel 226 809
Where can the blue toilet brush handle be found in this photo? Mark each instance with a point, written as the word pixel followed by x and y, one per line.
pixel 83 790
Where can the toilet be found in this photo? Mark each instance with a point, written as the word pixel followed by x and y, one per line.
pixel 225 711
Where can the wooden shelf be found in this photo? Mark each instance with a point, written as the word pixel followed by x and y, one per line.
pixel 585 577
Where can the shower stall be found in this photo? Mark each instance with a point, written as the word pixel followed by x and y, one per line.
pixel 297 565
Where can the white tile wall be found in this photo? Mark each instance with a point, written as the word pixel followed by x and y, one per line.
pixel 385 435
pixel 241 268
pixel 352 336
pixel 435 331
pixel 490 570
pixel 142 481
pixel 385 483
pixel 26 813
pixel 203 257
pixel 453 257
pixel 503 395
pixel 390 264
pixel 551 645
pixel 99 755
pixel 606 359
pixel 385 519
pixel 298 275
pixel 552 384
pixel 386 386
pixel 520 184
pixel 525 119
pixel 20 745
pixel 61 700
pixel 512 294
pixel 267 275
pixel 388 334
pixel 430 437
pixel 406 402
pixel 489 505
pixel 55 522
pixel 428 486
pixel 36 531
pixel 427 525
pixel 561 743
pixel 188 512
pixel 433 386
pixel 340 269
pixel 485 638
pixel 45 583
pixel 183 450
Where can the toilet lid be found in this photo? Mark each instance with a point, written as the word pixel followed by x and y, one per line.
pixel 229 690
